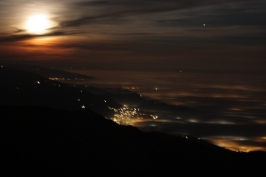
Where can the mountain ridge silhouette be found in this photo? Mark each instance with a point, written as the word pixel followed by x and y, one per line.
pixel 45 142
pixel 46 133
pixel 26 88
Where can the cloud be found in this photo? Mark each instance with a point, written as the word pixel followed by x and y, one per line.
pixel 114 10
pixel 240 14
pixel 12 37
pixel 125 17
pixel 160 5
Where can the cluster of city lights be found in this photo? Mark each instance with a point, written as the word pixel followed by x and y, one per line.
pixel 63 79
pixel 125 115
pixel 154 116
pixel 128 116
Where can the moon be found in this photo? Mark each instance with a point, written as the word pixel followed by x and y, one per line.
pixel 37 24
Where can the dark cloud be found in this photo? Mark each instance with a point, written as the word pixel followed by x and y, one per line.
pixel 149 4
pixel 116 9
pixel 21 37
pixel 242 14
pixel 17 30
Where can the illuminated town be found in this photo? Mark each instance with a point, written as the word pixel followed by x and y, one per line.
pixel 129 116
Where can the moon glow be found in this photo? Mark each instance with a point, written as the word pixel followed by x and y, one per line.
pixel 37 24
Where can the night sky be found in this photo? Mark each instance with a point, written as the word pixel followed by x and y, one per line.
pixel 211 36
pixel 137 35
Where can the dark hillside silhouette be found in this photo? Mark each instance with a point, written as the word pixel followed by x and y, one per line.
pixel 50 73
pixel 40 141
pixel 25 88
pixel 21 87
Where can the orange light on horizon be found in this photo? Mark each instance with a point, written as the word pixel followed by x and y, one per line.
pixel 235 144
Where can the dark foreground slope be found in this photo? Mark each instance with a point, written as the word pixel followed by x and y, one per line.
pixel 46 142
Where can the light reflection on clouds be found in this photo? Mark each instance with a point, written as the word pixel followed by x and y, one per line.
pixel 237 143
pixel 260 121
pixel 220 122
